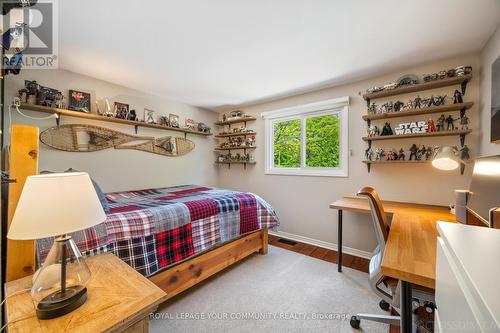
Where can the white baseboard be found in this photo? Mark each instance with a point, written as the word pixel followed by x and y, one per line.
pixel 320 243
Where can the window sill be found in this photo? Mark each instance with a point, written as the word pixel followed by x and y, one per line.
pixel 309 173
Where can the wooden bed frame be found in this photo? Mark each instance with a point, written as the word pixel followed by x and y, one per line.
pixel 21 254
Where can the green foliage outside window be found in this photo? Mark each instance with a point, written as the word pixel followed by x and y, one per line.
pixel 322 142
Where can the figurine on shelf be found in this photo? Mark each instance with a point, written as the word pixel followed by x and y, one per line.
pixel 450 122
pixel 408 106
pixel 431 127
pixel 464 122
pixel 464 153
pixel 387 130
pixel 421 152
pixel 392 155
pixel 428 153
pixel 413 152
pixel 401 155
pixel 429 101
pixel 398 106
pixel 439 100
pixel 373 131
pixel 132 115
pixel 379 154
pixel 440 123
pixel 224 118
pixel 368 154
pixel 372 109
pixel 417 103
pixel 457 97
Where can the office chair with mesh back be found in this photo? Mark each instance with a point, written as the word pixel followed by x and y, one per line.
pixel 384 286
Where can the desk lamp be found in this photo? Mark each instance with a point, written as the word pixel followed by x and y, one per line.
pixel 55 205
pixel 446 158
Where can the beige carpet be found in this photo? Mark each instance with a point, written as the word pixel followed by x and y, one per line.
pixel 280 292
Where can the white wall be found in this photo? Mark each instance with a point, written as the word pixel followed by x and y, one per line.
pixel 489 54
pixel 114 169
pixel 302 201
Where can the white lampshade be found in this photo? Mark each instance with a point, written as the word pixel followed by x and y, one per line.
pixel 56 204
pixel 446 159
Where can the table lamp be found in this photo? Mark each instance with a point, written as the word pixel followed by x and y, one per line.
pixel 446 158
pixel 55 205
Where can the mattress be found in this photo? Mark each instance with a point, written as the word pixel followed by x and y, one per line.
pixel 153 229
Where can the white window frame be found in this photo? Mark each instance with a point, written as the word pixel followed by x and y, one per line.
pixel 338 107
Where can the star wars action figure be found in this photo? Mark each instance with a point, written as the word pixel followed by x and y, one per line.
pixel 457 97
pixel 379 154
pixel 440 123
pixel 431 127
pixel 450 122
pixel 401 155
pixel 413 152
pixel 369 154
pixel 464 153
pixel 387 130
pixel 417 103
pixel 464 123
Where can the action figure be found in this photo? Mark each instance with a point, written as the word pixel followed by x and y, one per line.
pixel 450 122
pixel 464 123
pixel 417 103
pixel 372 109
pixel 431 127
pixel 430 101
pixel 373 131
pixel 379 154
pixel 413 152
pixel 428 153
pixel 392 155
pixel 421 152
pixel 387 130
pixel 401 155
pixel 439 100
pixel 369 154
pixel 440 123
pixel 457 97
pixel 398 106
pixel 464 153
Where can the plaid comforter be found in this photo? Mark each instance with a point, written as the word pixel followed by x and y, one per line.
pixel 155 228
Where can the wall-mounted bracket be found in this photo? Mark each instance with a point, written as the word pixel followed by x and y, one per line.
pixel 462 140
pixel 368 165
pixel 136 128
pixel 463 85
pixel 58 119
pixel 462 168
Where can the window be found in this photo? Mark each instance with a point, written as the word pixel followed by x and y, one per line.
pixel 309 139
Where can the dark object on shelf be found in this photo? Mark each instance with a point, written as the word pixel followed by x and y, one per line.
pixel 163 121
pixel 413 152
pixel 450 72
pixel 48 96
pixel 236 114
pixel 440 123
pixel 132 115
pixel 428 153
pixel 398 105
pixel 464 153
pixel 464 122
pixel 441 74
pixel 387 130
pixel 439 100
pixel 392 155
pixel 224 117
pixel 121 110
pixel 407 80
pixel 417 102
pixel 79 101
pixel 421 152
pixel 368 154
pixel 450 122
pixel 457 97
pixel 203 128
pixel 379 154
pixel 401 155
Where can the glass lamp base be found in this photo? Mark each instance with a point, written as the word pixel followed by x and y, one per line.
pixel 56 305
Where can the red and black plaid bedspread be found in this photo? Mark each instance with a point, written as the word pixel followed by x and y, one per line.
pixel 152 229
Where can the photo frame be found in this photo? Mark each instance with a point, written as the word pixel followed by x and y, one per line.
pixel 189 123
pixel 79 101
pixel 173 119
pixel 121 110
pixel 150 116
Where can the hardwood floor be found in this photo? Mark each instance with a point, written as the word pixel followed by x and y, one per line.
pixel 357 263
pixel 360 264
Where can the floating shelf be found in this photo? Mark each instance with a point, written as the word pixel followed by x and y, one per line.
pixel 417 135
pixel 235 162
pixel 236 148
pixel 235 134
pixel 235 121
pixel 413 112
pixel 396 161
pixel 136 124
pixel 420 87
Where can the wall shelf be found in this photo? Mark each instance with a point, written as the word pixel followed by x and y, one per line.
pixel 462 80
pixel 236 148
pixel 417 135
pixel 396 161
pixel 136 124
pixel 413 112
pixel 235 121
pixel 234 134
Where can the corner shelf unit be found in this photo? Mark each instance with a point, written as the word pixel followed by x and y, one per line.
pixel 446 82
pixel 136 124
pixel 229 122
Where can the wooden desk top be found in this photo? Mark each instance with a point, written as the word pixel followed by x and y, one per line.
pixel 410 252
pixel 116 296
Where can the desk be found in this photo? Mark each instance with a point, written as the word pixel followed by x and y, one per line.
pixel 410 252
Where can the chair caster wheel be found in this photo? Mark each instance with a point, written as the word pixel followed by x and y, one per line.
pixel 384 305
pixel 355 322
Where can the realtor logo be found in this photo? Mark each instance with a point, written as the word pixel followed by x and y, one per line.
pixel 30 34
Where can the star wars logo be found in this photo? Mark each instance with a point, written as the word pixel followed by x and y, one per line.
pixel 411 128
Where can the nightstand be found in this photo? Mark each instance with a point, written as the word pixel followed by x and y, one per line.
pixel 119 299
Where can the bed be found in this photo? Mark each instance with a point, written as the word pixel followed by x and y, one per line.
pixel 176 236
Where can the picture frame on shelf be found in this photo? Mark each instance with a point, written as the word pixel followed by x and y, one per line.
pixel 121 110
pixel 189 123
pixel 150 116
pixel 173 119
pixel 79 101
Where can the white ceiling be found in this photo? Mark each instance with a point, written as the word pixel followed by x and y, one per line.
pixel 220 53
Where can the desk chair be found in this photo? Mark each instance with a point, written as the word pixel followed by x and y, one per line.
pixel 385 287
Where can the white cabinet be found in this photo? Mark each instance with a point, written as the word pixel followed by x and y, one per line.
pixel 467 276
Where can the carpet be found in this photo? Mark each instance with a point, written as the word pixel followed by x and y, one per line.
pixel 282 291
